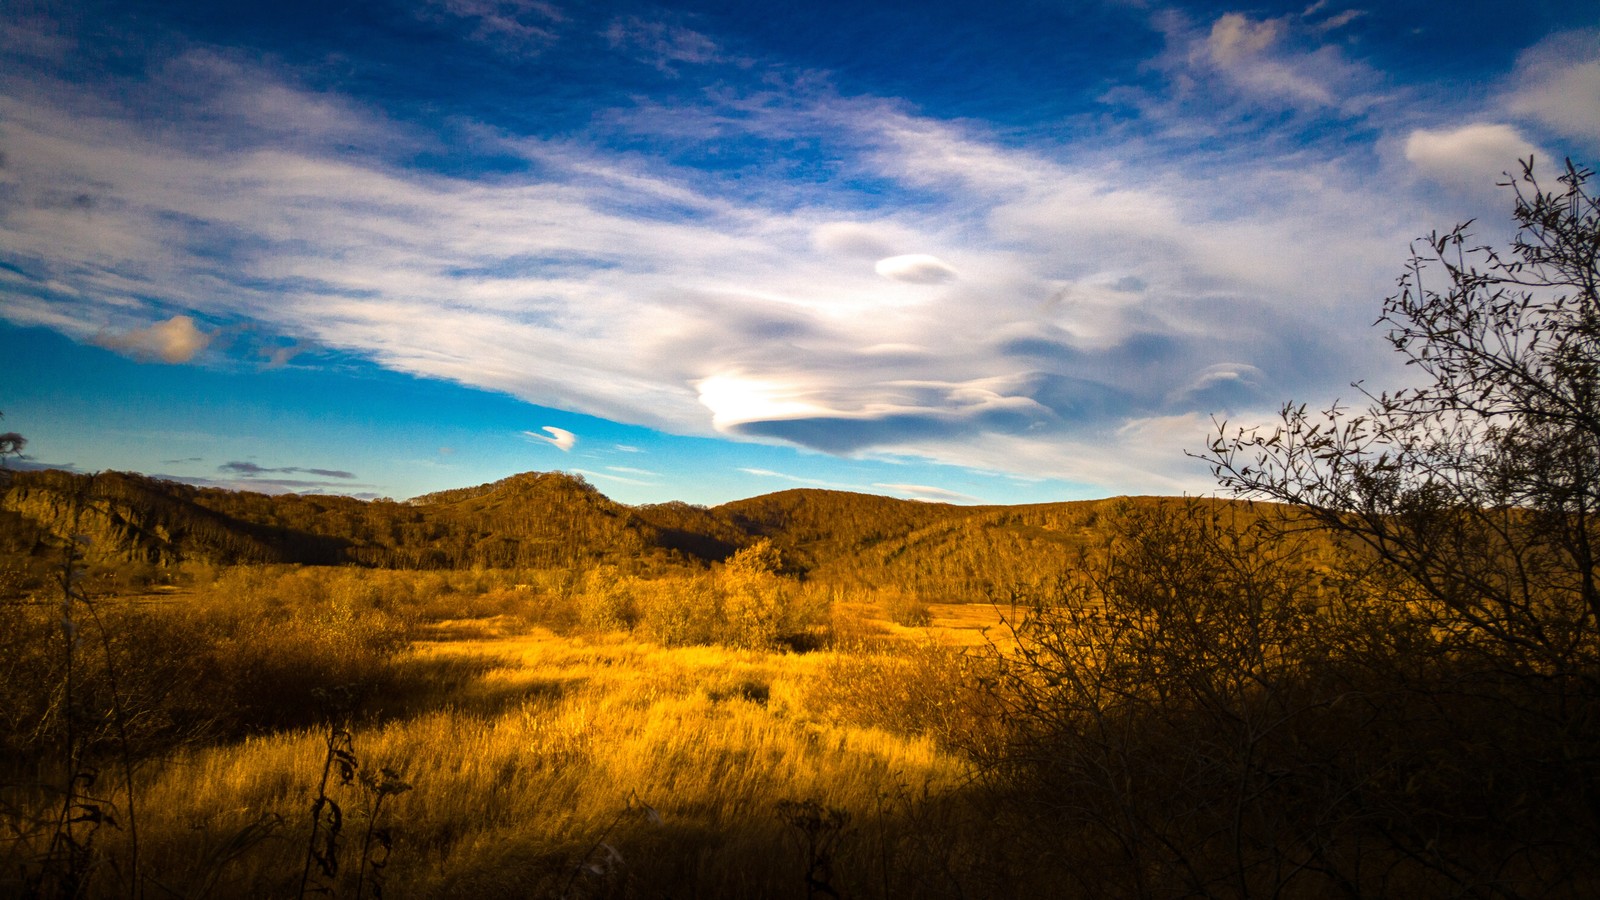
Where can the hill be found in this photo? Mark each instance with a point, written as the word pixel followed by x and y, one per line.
pixel 529 520
pixel 552 520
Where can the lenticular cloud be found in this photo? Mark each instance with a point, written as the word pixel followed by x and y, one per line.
pixel 560 438
pixel 915 268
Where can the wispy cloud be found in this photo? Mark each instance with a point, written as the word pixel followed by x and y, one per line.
pixel 520 26
pixel 629 470
pixel 754 322
pixel 250 469
pixel 1255 56
pixel 927 493
pixel 608 476
pixel 274 485
pixel 243 475
pixel 1334 21
pixel 797 479
pixel 661 44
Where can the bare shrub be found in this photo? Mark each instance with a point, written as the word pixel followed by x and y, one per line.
pixel 906 608
pixel 918 689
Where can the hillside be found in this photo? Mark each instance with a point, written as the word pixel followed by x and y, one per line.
pixel 553 520
pixel 529 520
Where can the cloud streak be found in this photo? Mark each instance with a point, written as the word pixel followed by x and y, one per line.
pixel 250 470
pixel 927 493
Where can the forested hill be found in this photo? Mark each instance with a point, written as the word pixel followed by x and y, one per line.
pixel 529 520
pixel 549 520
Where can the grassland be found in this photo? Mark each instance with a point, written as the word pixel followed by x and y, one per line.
pixel 1201 708
pixel 544 756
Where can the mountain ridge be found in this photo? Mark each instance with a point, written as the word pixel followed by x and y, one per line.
pixel 551 520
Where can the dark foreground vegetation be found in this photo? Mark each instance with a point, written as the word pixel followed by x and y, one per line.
pixel 1385 682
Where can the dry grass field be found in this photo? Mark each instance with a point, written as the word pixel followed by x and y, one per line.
pixel 1204 711
pixel 539 757
pixel 541 760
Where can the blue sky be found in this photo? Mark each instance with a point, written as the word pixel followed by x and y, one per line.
pixel 1024 252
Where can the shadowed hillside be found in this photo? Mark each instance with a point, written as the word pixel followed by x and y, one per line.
pixel 123 517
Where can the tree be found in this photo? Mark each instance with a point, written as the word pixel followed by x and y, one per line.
pixel 1480 486
pixel 11 444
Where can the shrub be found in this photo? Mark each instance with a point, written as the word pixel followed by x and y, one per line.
pixel 605 600
pixel 924 688
pixel 907 609
pixel 681 611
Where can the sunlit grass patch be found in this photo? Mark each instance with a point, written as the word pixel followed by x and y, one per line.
pixel 529 747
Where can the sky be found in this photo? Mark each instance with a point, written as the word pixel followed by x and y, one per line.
pixel 1023 251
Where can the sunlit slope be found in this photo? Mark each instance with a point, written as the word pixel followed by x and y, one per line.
pixel 530 520
pixel 939 551
pixel 553 520
pixel 815 527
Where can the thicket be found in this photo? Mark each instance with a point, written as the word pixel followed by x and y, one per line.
pixel 1215 710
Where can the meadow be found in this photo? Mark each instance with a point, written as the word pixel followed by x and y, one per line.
pixel 1201 707
pixel 738 723
pixel 500 733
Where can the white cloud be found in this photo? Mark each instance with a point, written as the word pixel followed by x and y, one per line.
pixel 1222 385
pixel 915 268
pixel 1471 157
pixel 622 479
pixel 857 239
pixel 735 398
pixel 1225 373
pixel 1236 39
pixel 1269 61
pixel 176 340
pixel 797 479
pixel 1558 85
pixel 1339 20
pixel 559 438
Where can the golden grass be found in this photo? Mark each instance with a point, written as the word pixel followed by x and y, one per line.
pixel 532 761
